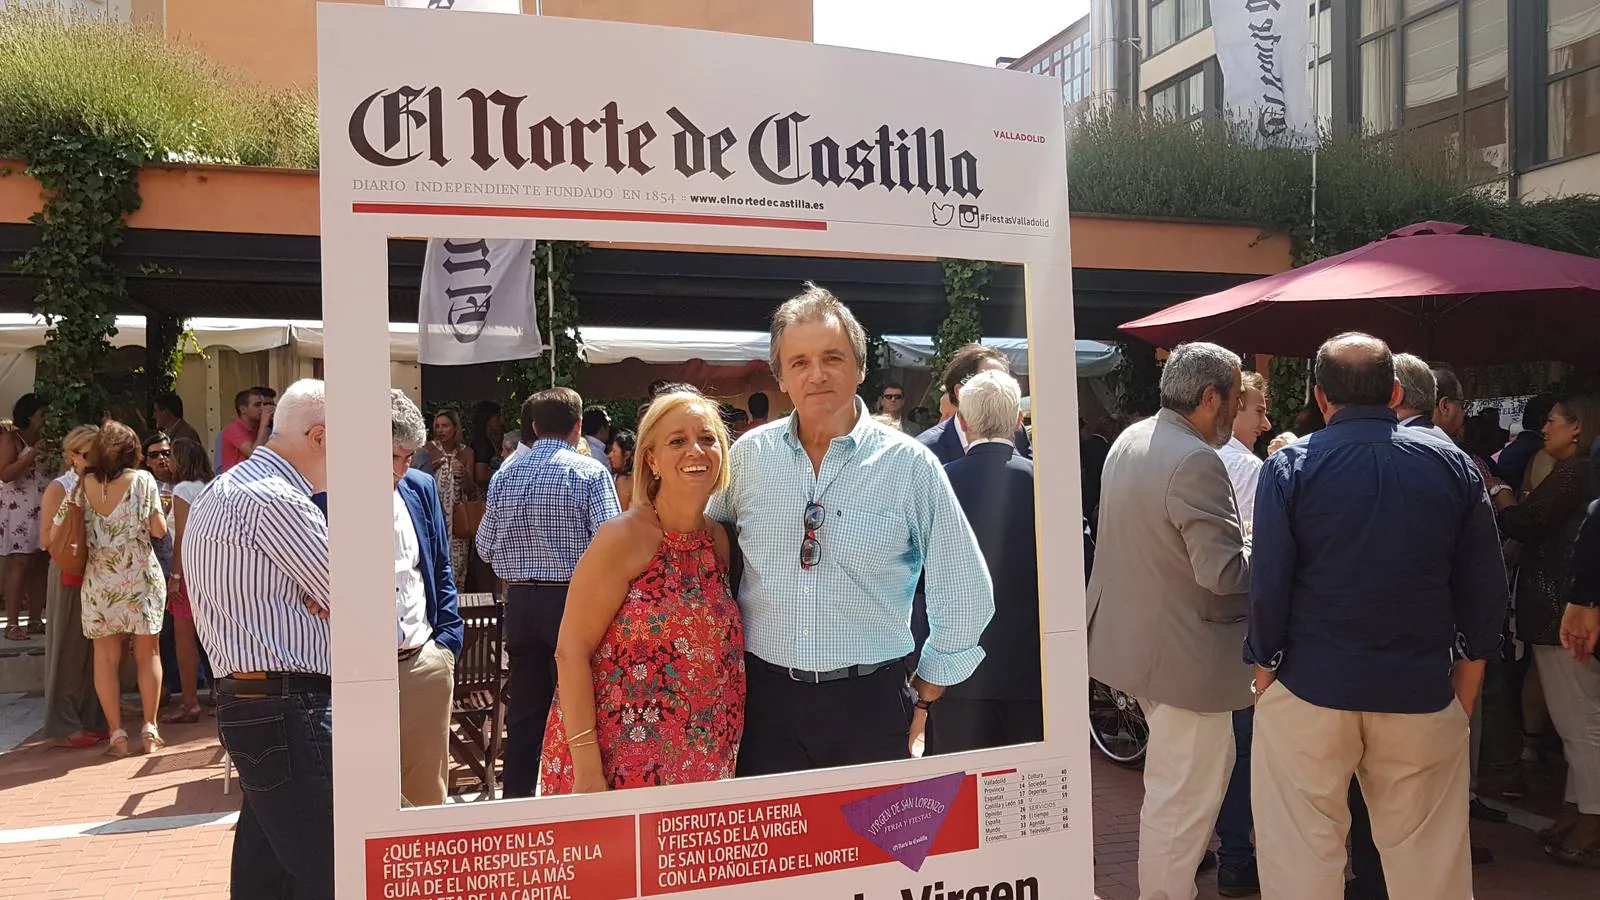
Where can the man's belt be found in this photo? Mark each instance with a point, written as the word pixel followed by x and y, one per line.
pixel 273 684
pixel 807 677
pixel 538 584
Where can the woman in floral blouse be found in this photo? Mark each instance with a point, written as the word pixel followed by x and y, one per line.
pixel 123 590
pixel 650 661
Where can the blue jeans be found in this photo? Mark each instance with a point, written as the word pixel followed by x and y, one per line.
pixel 1235 821
pixel 282 750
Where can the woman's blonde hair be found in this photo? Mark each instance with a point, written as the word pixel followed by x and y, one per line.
pixel 79 439
pixel 647 485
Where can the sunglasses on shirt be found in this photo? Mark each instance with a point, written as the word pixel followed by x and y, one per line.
pixel 810 547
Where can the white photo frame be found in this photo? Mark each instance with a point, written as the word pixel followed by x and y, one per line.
pixel 398 147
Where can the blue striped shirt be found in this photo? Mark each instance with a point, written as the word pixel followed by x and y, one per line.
pixel 891 515
pixel 254 548
pixel 542 510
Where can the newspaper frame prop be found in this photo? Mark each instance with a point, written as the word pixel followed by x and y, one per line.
pixel 441 125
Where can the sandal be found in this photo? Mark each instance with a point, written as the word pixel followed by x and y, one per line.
pixel 78 740
pixel 181 715
pixel 151 738
pixel 1588 857
pixel 16 633
pixel 36 628
pixel 119 744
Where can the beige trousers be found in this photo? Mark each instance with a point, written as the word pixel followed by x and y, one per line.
pixel 1413 774
pixel 1186 773
pixel 427 692
pixel 1572 691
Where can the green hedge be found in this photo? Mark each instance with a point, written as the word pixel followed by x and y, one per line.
pixel 134 88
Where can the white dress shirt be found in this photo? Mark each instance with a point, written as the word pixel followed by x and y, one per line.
pixel 410 600
pixel 1244 469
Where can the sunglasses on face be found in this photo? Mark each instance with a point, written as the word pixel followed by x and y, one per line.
pixel 894 396
pixel 159 454
pixel 810 547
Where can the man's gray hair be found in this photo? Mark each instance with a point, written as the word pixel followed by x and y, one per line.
pixel 991 401
pixel 510 441
pixel 1193 367
pixel 813 305
pixel 302 407
pixel 1418 389
pixel 410 432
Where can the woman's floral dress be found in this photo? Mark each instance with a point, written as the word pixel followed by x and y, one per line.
pixel 668 677
pixel 19 508
pixel 123 591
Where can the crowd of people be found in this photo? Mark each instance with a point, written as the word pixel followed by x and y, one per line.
pixel 1323 641
pixel 715 596
pixel 1322 638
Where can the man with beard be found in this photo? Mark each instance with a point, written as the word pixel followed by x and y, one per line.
pixel 1167 604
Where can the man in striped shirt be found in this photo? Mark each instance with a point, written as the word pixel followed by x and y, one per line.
pixel 542 510
pixel 255 553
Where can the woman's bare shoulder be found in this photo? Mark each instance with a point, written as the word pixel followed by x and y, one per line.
pixel 629 540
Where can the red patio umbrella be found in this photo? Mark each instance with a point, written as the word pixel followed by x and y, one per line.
pixel 1439 290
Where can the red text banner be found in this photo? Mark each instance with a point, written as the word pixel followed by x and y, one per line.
pixel 591 859
pixel 715 846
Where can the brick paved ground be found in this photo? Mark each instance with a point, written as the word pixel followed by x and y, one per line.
pixel 40 786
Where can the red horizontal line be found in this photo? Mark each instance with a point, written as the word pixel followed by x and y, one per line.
pixel 592 215
pixel 1000 772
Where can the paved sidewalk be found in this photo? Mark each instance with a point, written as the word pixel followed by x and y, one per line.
pixel 74 823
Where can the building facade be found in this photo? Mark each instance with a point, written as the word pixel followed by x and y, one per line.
pixel 1068 57
pixel 274 41
pixel 1513 86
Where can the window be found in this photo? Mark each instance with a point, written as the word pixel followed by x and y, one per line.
pixel 1438 70
pixel 1173 20
pixel 1183 99
pixel 1321 67
pixel 1572 89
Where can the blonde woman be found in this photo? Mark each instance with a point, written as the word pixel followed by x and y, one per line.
pixel 650 659
pixel 72 718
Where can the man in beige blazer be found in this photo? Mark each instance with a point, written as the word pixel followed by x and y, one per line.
pixel 1167 605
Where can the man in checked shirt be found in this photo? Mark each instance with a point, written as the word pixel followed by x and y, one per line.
pixel 837 516
pixel 543 508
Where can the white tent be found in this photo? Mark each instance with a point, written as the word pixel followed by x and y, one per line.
pixel 601 345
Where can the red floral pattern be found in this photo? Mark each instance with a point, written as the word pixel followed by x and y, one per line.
pixel 668 677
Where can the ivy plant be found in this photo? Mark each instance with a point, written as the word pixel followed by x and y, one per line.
pixel 552 272
pixel 966 289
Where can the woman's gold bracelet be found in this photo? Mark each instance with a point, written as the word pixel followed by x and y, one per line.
pixel 579 735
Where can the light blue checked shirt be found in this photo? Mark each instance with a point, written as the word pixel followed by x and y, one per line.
pixel 890 515
pixel 542 510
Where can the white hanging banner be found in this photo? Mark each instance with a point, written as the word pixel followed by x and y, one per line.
pixel 1263 48
pixel 477 295
pixel 476 304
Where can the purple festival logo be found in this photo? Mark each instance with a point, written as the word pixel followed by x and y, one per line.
pixel 905 820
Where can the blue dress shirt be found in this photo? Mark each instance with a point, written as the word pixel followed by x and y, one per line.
pixel 542 511
pixel 1376 562
pixel 890 515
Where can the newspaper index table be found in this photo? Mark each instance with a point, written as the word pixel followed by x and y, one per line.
pixel 1018 803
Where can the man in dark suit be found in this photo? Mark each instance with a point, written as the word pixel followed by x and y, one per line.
pixel 429 629
pixel 1001 703
pixel 946 439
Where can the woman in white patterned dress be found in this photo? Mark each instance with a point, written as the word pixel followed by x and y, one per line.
pixel 452 463
pixel 22 482
pixel 124 592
